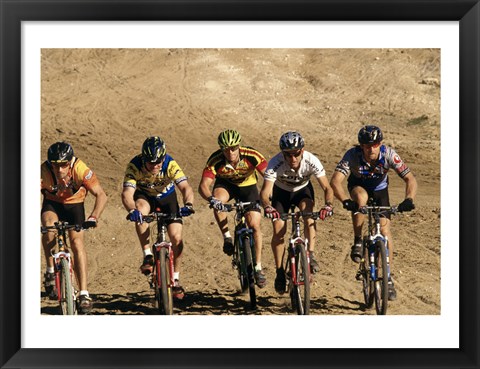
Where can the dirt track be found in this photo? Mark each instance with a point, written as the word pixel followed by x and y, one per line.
pixel 105 102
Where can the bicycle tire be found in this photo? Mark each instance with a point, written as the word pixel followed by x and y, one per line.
pixel 381 283
pixel 67 303
pixel 164 281
pixel 242 275
pixel 367 283
pixel 250 270
pixel 300 294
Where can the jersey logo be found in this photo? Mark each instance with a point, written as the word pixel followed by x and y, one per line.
pixel 89 175
pixel 396 159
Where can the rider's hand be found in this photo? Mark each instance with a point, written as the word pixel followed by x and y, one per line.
pixel 271 212
pixel 326 211
pixel 216 204
pixel 350 205
pixel 187 210
pixel 135 216
pixel 406 205
pixel 91 222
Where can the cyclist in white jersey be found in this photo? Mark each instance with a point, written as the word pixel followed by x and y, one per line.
pixel 366 166
pixel 287 182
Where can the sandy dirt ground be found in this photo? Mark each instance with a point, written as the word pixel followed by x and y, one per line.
pixel 105 102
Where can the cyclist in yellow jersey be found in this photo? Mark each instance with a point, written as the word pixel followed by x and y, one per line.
pixel 149 184
pixel 232 170
pixel 65 182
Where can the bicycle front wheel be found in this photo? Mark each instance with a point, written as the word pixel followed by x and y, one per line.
pixel 67 298
pixel 381 283
pixel 300 293
pixel 163 288
pixel 250 270
pixel 367 283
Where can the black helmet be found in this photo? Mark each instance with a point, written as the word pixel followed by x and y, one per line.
pixel 60 152
pixel 153 150
pixel 291 140
pixel 370 135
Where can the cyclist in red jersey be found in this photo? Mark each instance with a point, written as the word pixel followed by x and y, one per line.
pixel 232 170
pixel 65 182
pixel 366 166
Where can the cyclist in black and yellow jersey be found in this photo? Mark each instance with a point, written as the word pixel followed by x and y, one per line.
pixel 149 183
pixel 232 170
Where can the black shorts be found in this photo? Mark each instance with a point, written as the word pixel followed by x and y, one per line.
pixel 282 200
pixel 244 194
pixel 71 213
pixel 167 205
pixel 380 198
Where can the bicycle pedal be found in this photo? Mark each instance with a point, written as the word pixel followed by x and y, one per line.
pixel 358 276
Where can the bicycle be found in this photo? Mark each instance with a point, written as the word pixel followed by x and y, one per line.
pixel 244 256
pixel 297 264
pixel 374 268
pixel 161 279
pixel 64 266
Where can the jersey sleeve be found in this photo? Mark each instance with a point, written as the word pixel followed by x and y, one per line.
pixel 174 172
pixel 271 170
pixel 396 162
pixel 209 170
pixel 86 175
pixel 344 165
pixel 131 175
pixel 316 166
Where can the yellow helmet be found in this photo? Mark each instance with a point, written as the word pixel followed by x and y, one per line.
pixel 229 138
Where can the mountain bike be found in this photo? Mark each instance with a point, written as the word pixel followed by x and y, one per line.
pixel 297 263
pixel 374 268
pixel 161 279
pixel 65 281
pixel 244 256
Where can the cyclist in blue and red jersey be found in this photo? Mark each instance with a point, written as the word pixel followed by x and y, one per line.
pixel 149 183
pixel 366 166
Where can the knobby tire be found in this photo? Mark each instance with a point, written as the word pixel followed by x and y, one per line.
pixel 250 270
pixel 165 288
pixel 67 303
pixel 367 283
pixel 381 284
pixel 301 291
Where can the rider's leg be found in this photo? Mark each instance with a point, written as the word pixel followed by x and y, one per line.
pixel 48 239
pixel 80 256
pixel 253 220
pixel 385 230
pixel 278 241
pixel 143 230
pixel 306 205
pixel 360 196
pixel 174 231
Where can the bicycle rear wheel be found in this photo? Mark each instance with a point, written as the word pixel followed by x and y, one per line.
pixel 300 293
pixel 163 289
pixel 381 284
pixel 250 270
pixel 67 299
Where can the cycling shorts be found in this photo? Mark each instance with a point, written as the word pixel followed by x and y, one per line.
pixel 244 194
pixel 71 213
pixel 380 198
pixel 167 204
pixel 282 200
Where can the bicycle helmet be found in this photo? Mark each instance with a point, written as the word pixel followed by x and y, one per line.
pixel 60 152
pixel 370 135
pixel 229 138
pixel 153 150
pixel 291 140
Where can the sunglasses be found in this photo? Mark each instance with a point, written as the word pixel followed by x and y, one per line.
pixel 231 148
pixel 292 154
pixel 374 145
pixel 153 163
pixel 61 164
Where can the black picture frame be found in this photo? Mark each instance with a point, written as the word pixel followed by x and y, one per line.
pixel 14 12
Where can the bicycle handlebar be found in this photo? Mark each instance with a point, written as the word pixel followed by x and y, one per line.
pixel 378 209
pixel 157 216
pixel 249 205
pixel 315 215
pixel 64 226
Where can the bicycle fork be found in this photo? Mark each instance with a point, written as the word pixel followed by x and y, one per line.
pixel 157 247
pixel 371 253
pixel 58 268
pixel 294 244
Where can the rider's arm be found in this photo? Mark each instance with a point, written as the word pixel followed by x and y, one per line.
pixel 411 186
pixel 204 187
pixel 187 192
pixel 327 189
pixel 265 192
pixel 337 187
pixel 100 200
pixel 127 198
